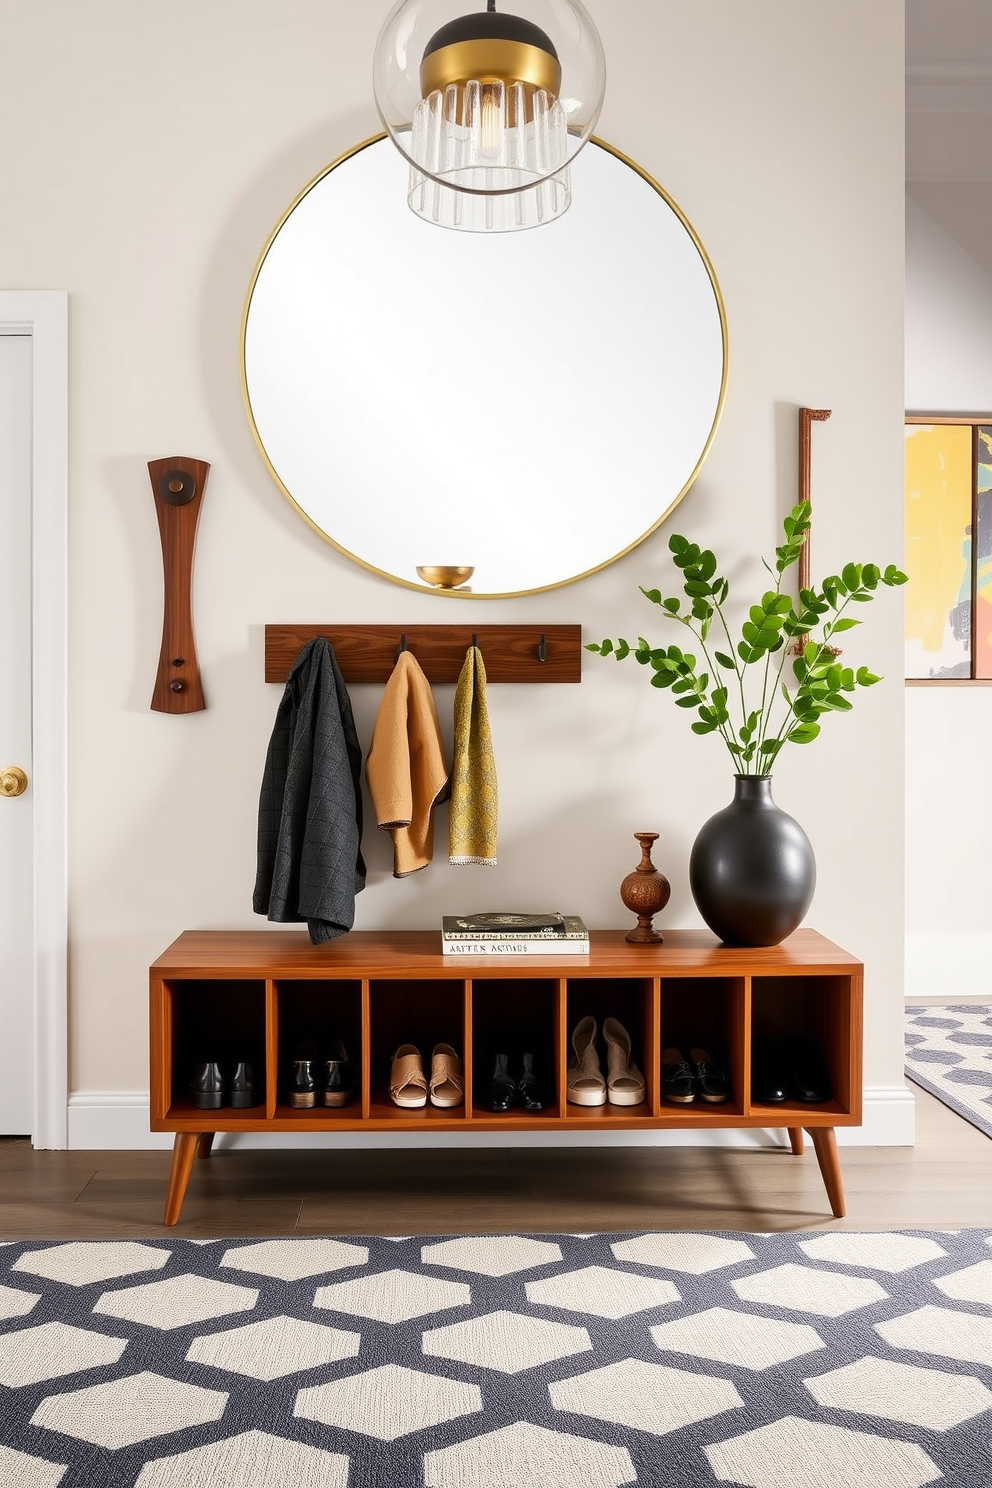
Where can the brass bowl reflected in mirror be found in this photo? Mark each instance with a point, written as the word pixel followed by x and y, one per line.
pixel 441 576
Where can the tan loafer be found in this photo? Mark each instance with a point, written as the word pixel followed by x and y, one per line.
pixel 407 1081
pixel 447 1085
pixel 585 1085
pixel 624 1081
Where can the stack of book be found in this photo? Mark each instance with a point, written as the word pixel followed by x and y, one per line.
pixel 500 933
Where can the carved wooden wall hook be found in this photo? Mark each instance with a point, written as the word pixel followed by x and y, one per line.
pixel 177 485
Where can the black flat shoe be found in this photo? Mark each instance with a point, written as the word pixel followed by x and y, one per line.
pixel 207 1086
pixel 339 1076
pixel 502 1086
pixel 808 1074
pixel 243 1086
pixel 769 1075
pixel 711 1083
pixel 533 1095
pixel 678 1078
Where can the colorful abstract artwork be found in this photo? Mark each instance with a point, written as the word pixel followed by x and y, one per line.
pixel 949 550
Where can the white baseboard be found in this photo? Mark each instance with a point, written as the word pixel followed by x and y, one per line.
pixel 118 1120
pixel 958 966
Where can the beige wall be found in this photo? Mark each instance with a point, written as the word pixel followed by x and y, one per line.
pixel 148 152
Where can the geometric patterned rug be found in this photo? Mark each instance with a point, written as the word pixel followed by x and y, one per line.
pixel 949 1053
pixel 666 1360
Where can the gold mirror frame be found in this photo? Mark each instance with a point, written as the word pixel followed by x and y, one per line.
pixel 466 593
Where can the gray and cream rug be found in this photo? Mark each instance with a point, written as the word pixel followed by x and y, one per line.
pixel 826 1360
pixel 949 1053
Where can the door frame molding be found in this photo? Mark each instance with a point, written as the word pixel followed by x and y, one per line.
pixel 43 315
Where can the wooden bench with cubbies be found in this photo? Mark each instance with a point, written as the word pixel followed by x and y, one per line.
pixel 256 995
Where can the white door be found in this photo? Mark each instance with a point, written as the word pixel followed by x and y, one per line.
pixel 17 982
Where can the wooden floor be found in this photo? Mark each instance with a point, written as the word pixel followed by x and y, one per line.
pixel 944 1181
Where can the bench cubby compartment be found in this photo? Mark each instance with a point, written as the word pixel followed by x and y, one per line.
pixel 633 1002
pixel 315 1013
pixel 425 1013
pixel 820 1008
pixel 213 1020
pixel 513 1015
pixel 707 1013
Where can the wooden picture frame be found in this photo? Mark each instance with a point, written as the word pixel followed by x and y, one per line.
pixel 948 505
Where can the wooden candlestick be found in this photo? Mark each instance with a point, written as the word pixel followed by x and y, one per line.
pixel 645 892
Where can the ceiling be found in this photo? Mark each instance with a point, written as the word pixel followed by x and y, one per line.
pixel 949 118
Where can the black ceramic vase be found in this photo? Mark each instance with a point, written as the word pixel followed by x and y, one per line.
pixel 751 870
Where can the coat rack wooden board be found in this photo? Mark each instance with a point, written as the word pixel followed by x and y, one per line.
pixel 367 653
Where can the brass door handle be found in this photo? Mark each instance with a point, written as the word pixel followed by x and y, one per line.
pixel 13 782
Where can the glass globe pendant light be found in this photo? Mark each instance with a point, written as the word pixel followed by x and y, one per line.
pixel 489 108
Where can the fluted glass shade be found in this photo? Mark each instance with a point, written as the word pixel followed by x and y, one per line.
pixel 489 108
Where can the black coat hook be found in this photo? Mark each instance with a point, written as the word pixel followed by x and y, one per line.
pixel 475 639
pixel 401 647
pixel 542 650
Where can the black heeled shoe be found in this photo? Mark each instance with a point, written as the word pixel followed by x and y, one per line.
pixel 242 1090
pixel 207 1086
pixel 301 1091
pixel 339 1076
pixel 531 1090
pixel 502 1085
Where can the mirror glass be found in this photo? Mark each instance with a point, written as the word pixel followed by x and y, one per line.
pixel 529 405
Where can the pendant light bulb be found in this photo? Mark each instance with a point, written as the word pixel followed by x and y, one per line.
pixel 488 108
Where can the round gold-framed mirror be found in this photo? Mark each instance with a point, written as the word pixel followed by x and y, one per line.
pixel 527 406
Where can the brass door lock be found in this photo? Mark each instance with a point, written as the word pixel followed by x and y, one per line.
pixel 13 782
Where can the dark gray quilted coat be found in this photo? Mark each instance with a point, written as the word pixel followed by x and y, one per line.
pixel 310 864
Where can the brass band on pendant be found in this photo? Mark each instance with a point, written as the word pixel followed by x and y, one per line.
pixel 490 60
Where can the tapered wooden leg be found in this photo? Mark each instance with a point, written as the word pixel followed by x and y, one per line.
pixel 825 1147
pixel 796 1139
pixel 207 1141
pixel 183 1153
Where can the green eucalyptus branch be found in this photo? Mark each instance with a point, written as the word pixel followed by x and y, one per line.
pixel 776 628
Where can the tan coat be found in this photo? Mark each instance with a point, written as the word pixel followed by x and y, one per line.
pixel 406 768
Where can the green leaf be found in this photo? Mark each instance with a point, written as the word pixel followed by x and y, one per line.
pixel 678 544
pixel 623 650
pixel 769 746
pixel 867 678
pixel 707 564
pixel 851 573
pixel 746 734
pixel 606 649
pixel 687 702
pixel 662 679
pixel 593 646
pixel 844 623
pixel 719 697
pixel 804 733
pixel 721 595
pixel 654 595
pixel 724 660
pixel 696 587
pixel 671 605
pixel 837 701
pixel 750 632
pixel 704 728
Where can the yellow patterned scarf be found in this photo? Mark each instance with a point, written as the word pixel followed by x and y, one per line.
pixel 473 830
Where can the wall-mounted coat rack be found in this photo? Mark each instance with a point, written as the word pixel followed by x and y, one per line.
pixel 177 485
pixel 367 653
